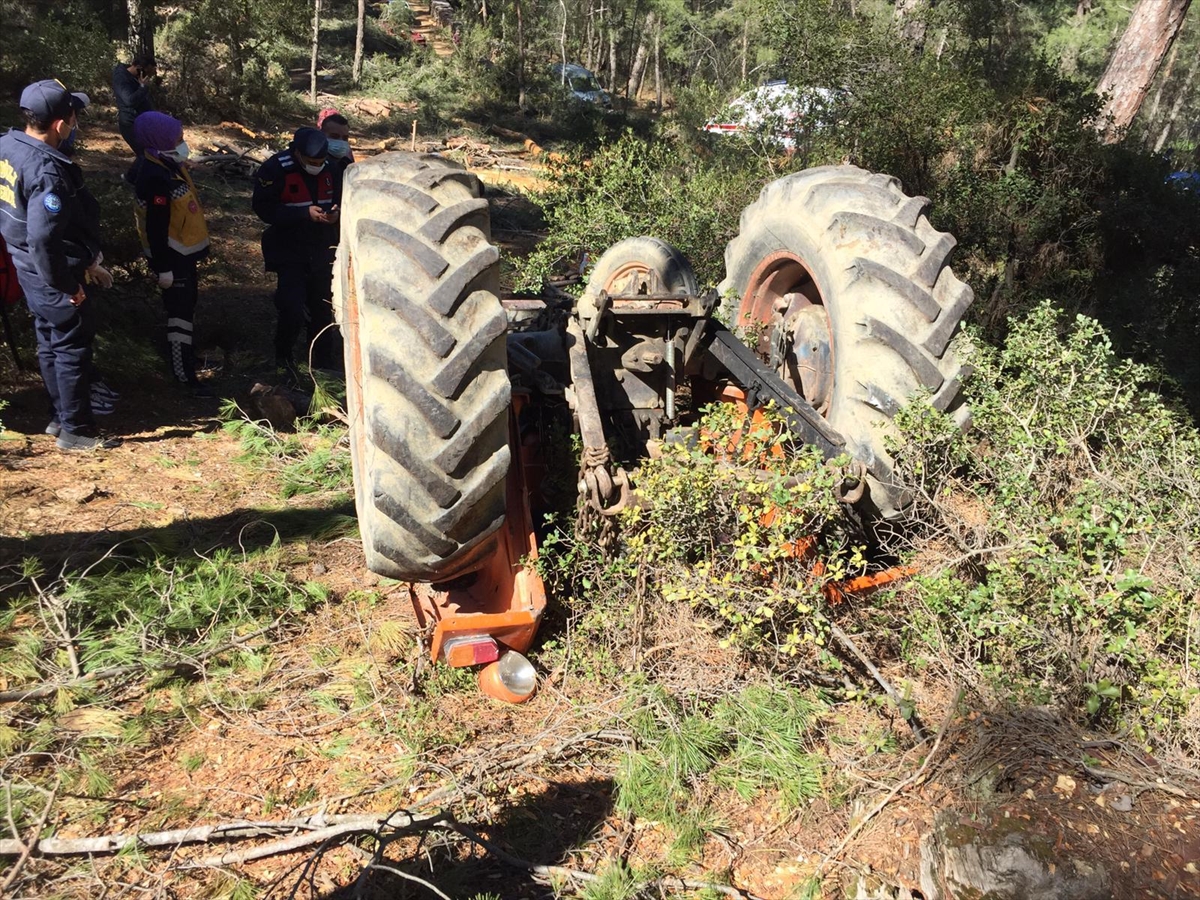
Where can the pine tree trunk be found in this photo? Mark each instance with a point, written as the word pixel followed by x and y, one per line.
pixel 316 43
pixel 1151 31
pixel 637 69
pixel 658 92
pixel 910 19
pixel 589 58
pixel 1184 90
pixel 520 56
pixel 356 69
pixel 612 55
pixel 562 35
pixel 141 29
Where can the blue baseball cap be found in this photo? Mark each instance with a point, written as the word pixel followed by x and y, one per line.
pixel 310 142
pixel 49 99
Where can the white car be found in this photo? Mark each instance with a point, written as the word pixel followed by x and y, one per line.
pixel 776 110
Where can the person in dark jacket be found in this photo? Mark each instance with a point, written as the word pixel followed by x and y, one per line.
pixel 173 232
pixel 297 194
pixel 336 129
pixel 130 83
pixel 51 224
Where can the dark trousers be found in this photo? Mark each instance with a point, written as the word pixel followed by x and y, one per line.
pixel 180 303
pixel 306 297
pixel 64 349
pixel 126 129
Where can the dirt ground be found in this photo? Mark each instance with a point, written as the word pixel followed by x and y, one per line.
pixel 523 775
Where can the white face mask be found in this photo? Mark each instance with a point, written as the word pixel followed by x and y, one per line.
pixel 180 153
pixel 314 170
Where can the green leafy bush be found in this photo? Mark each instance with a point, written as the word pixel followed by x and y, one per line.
pixel 636 187
pixel 1073 512
pixel 230 59
pixel 735 523
pixel 65 41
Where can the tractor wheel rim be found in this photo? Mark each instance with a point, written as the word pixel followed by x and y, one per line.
pixel 633 278
pixel 783 297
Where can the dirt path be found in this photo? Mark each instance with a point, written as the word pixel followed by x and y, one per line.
pixel 435 34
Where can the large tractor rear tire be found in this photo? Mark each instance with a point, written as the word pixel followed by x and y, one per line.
pixel 416 295
pixel 848 285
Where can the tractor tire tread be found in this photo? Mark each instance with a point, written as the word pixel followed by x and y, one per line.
pixel 427 386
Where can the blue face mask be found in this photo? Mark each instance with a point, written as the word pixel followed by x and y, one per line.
pixel 67 146
pixel 339 149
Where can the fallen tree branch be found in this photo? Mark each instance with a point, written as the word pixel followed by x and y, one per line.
pixel 28 846
pixel 391 870
pixel 548 872
pixel 912 779
pixel 492 767
pixel 914 720
pixel 1103 775
pixel 49 689
pixel 317 828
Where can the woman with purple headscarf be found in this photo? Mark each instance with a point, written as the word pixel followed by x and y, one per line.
pixel 173 232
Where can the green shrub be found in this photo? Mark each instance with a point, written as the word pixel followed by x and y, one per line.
pixel 1073 507
pixel 230 59
pixel 755 743
pixel 633 187
pixel 735 523
pixel 65 41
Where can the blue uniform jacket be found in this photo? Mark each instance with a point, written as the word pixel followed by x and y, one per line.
pixel 283 192
pixel 49 220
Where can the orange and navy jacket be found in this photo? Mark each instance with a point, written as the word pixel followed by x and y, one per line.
pixel 283 193
pixel 169 218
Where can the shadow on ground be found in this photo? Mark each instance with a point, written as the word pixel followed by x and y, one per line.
pixel 543 828
pixel 246 530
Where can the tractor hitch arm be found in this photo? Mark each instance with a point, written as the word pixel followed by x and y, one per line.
pixel 763 385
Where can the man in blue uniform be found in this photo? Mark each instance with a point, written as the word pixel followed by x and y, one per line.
pixel 297 194
pixel 51 224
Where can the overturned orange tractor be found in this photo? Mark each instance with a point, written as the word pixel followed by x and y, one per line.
pixel 838 274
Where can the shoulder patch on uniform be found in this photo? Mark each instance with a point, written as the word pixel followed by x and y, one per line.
pixel 160 201
pixel 52 202
pixel 266 182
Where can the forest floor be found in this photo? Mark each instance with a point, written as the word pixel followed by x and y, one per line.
pixel 324 705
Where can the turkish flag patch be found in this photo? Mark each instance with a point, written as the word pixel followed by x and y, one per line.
pixel 160 201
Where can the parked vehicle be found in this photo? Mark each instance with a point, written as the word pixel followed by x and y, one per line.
pixel 776 110
pixel 581 84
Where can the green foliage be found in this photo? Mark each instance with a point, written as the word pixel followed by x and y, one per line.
pixel 1088 485
pixel 633 187
pixel 230 58
pixel 735 522
pixel 316 459
pixel 616 882
pixel 67 41
pixel 752 743
pixel 147 614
